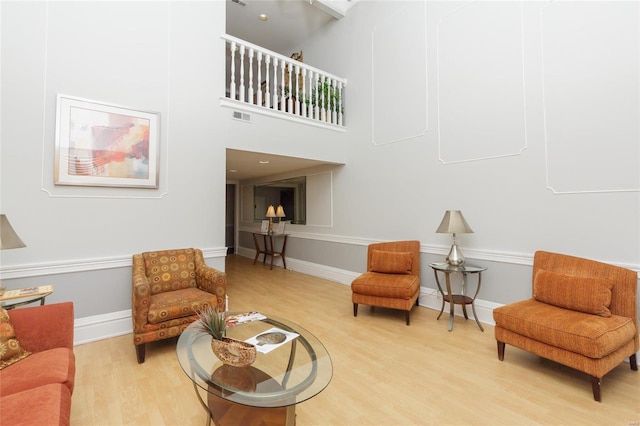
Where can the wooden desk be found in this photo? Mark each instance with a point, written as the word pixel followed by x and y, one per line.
pixel 268 248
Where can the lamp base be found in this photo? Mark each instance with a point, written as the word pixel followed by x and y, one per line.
pixel 455 257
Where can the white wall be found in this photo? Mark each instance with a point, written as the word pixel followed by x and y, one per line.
pixel 523 155
pixel 494 108
pixel 157 56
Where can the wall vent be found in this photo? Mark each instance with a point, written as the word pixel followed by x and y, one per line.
pixel 241 116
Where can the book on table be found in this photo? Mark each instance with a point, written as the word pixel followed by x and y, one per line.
pixel 26 292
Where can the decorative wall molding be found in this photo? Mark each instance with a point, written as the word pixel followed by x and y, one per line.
pixel 54 191
pixel 83 265
pixel 479 114
pixel 576 38
pixel 404 49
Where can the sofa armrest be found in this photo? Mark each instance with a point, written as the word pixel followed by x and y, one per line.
pixel 44 327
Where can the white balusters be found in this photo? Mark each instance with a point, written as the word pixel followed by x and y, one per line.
pixel 250 75
pixel 339 123
pixel 266 85
pixel 232 86
pixel 289 85
pixel 242 89
pixel 275 83
pixel 259 84
pixel 305 110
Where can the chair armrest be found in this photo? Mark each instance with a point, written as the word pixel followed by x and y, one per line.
pixel 44 327
pixel 212 281
pixel 140 293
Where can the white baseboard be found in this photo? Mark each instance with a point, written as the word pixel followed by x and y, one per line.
pixel 98 327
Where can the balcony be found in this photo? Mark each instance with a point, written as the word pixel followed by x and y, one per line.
pixel 265 82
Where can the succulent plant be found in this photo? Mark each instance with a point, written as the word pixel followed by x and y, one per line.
pixel 212 322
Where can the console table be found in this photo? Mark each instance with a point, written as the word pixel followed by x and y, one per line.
pixel 458 299
pixel 268 248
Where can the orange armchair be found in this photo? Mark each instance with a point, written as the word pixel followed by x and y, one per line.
pixel 392 279
pixel 169 287
pixel 583 314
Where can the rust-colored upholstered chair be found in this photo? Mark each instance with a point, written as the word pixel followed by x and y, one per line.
pixel 583 314
pixel 168 288
pixel 392 279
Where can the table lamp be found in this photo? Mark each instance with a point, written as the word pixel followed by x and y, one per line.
pixel 8 240
pixel 271 213
pixel 280 213
pixel 453 223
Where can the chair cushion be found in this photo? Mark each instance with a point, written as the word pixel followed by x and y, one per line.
pixel 178 304
pixel 586 334
pixel 170 270
pixel 391 262
pixel 10 349
pixel 583 294
pixel 396 286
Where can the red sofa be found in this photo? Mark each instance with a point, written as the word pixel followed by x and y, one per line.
pixel 37 389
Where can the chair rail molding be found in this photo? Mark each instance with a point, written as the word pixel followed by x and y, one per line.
pixel 83 265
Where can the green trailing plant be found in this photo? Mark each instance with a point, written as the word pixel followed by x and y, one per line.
pixel 212 322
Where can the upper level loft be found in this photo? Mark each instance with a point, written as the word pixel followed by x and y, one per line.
pixel 265 82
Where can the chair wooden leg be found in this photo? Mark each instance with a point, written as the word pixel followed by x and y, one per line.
pixel 408 312
pixel 140 352
pixel 595 385
pixel 634 362
pixel 500 350
pixel 355 309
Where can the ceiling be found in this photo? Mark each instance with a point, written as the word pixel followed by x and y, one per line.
pixel 251 165
pixel 290 23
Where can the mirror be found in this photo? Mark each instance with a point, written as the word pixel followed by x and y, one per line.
pixel 289 193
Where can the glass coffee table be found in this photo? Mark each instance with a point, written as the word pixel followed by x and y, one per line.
pixel 270 388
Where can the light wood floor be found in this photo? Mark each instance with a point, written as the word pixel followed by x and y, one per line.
pixel 385 373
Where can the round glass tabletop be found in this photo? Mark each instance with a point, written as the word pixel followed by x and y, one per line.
pixel 283 374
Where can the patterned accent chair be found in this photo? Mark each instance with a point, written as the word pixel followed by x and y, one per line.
pixel 583 314
pixel 392 279
pixel 168 288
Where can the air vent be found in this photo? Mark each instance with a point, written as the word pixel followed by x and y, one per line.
pixel 241 116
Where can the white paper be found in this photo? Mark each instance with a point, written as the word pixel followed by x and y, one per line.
pixel 265 348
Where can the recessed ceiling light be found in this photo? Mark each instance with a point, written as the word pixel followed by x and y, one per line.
pixel 263 17
pixel 264 161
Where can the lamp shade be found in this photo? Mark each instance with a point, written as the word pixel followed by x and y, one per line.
pixel 280 212
pixel 271 212
pixel 8 237
pixel 453 223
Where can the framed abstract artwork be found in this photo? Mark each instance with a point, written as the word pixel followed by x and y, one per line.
pixel 99 144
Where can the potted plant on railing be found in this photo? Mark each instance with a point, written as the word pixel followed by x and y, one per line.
pixel 325 96
pixel 230 351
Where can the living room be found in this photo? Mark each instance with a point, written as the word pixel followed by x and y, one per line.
pixel 523 115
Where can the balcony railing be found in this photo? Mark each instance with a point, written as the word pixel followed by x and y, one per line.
pixel 273 83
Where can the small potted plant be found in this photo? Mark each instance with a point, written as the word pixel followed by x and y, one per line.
pixel 230 351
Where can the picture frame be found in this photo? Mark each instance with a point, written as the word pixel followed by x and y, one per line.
pixel 280 228
pixel 100 144
pixel 264 228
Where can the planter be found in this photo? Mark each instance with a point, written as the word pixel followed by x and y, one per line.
pixel 234 352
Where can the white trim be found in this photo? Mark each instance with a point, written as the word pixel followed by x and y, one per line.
pixel 105 326
pixel 83 265
pixel 257 109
